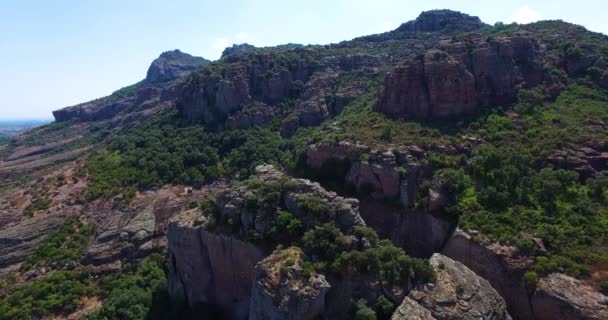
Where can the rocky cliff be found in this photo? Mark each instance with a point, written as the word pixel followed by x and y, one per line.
pixel 210 269
pixel 391 176
pixel 213 256
pixel 499 265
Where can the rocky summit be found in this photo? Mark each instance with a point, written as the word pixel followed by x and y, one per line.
pixel 447 169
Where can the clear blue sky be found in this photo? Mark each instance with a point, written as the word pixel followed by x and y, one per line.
pixel 56 53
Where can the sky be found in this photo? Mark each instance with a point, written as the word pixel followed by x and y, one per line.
pixel 57 53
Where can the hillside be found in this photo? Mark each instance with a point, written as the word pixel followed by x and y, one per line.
pixel 408 174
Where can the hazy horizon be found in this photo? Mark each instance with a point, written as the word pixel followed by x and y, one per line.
pixel 67 52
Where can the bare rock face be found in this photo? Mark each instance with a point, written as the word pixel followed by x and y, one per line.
pixel 317 98
pixel 255 115
pixel 497 264
pixel 211 269
pixel 282 290
pixel 442 20
pixel 458 293
pixel 172 65
pixel 458 78
pixel 319 155
pixel 559 296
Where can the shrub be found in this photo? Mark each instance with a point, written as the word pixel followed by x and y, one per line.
pixel 38 204
pixel 325 241
pixel 58 293
pixel 363 311
pixel 61 247
pixel 384 308
pixel 367 233
pixel 130 295
pixel 530 280
pixel 315 206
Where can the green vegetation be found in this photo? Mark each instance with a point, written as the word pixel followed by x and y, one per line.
pixel 38 204
pixel 138 294
pixel 160 152
pixel 363 311
pixel 604 287
pixel 388 261
pixel 135 293
pixel 61 247
pixel 58 293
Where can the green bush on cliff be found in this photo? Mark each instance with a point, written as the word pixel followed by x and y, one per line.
pixel 325 241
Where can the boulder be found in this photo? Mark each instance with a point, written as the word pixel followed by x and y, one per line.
pixel 282 290
pixel 458 293
pixel 559 296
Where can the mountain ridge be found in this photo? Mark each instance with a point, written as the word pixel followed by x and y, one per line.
pixel 362 178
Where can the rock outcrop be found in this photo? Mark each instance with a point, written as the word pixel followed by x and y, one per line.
pixel 559 296
pixel 442 20
pixel 172 65
pixel 249 212
pixel 458 293
pixel 213 94
pixel 586 161
pixel 284 291
pixel 458 78
pixel 497 264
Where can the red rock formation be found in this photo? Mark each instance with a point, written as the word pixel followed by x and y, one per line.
pixel 461 77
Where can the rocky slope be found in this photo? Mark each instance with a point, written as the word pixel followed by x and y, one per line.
pixel 338 115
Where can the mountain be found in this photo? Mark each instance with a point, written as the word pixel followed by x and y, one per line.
pixel 447 169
